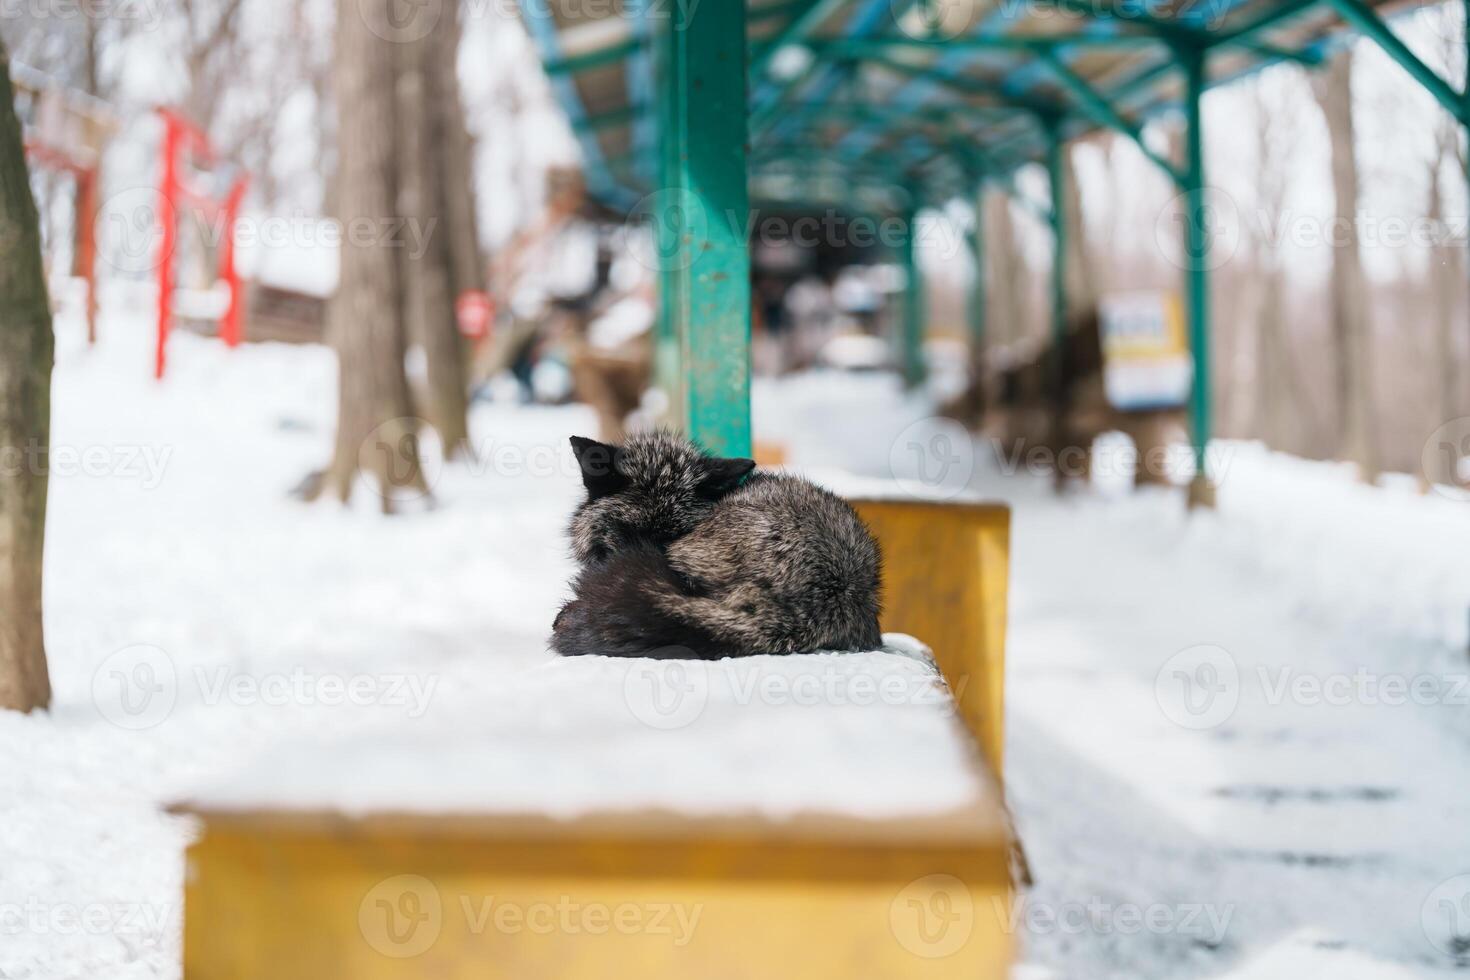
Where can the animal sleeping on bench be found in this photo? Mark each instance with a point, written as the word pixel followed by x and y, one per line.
pixel 684 555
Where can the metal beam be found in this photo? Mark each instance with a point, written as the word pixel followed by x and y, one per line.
pixel 1056 177
pixel 1197 222
pixel 765 104
pixel 1359 15
pixel 911 327
pixel 571 64
pixel 621 116
pixel 971 86
pixel 1102 112
pixel 1028 44
pixel 1177 33
pixel 705 204
pixel 977 309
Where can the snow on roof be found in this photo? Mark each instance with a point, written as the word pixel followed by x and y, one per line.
pixel 868 735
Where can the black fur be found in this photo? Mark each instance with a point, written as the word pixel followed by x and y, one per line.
pixel 679 558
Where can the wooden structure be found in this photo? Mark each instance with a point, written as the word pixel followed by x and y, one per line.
pixel 893 105
pixel 67 130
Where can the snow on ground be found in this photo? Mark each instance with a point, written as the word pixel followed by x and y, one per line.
pixel 1213 770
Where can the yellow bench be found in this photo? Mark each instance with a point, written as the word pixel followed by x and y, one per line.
pixel 946 571
pixel 313 895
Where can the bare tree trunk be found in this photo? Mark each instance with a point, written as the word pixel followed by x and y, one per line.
pixel 376 434
pixel 467 264
pixel 428 297
pixel 1274 399
pixel 1445 274
pixel 1349 305
pixel 25 420
pixel 1008 274
pixel 1082 278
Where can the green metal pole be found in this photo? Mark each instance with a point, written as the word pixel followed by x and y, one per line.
pixel 1056 174
pixel 1196 252
pixel 978 306
pixel 705 206
pixel 667 366
pixel 1056 178
pixel 911 327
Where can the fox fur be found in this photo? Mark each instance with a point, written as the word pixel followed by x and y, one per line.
pixel 689 556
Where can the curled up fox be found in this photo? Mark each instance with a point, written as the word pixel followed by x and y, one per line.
pixel 686 555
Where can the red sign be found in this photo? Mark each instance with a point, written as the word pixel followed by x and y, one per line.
pixel 474 309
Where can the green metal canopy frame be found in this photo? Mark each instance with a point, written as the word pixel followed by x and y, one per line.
pixel 689 109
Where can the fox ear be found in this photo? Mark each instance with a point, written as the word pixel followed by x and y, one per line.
pixel 724 475
pixel 598 462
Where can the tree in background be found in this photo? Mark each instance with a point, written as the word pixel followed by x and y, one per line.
pixel 403 153
pixel 376 432
pixel 1083 286
pixel 1009 277
pixel 1446 274
pixel 1446 256
pixel 25 420
pixel 434 182
pixel 1349 314
pixel 1276 410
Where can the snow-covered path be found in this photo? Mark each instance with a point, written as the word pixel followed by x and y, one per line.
pixel 1185 736
pixel 1185 814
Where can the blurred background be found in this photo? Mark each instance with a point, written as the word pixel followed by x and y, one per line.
pixel 385 255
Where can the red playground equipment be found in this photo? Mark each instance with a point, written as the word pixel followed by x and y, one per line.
pixel 193 180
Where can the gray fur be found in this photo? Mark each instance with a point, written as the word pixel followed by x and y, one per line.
pixel 655 487
pixel 677 556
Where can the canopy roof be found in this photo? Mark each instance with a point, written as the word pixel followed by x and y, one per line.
pixel 854 96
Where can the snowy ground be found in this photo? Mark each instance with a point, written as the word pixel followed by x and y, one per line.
pixel 1215 771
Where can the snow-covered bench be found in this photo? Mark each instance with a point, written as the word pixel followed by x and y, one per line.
pixel 828 815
